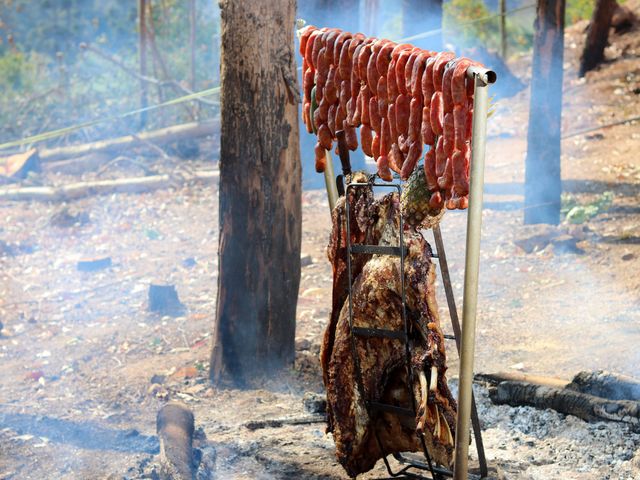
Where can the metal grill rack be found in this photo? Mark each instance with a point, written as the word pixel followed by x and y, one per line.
pixel 408 464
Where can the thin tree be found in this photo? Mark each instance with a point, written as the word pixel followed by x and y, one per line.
pixel 142 52
pixel 597 35
pixel 260 193
pixel 543 185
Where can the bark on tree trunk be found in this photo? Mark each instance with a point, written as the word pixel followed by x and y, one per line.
pixel 597 35
pixel 260 193
pixel 543 184
pixel 422 16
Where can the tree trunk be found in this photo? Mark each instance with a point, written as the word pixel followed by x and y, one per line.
pixel 597 35
pixel 260 193
pixel 422 16
pixel 543 184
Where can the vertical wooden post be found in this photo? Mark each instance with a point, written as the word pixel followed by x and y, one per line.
pixel 142 48
pixel 597 35
pixel 543 184
pixel 503 29
pixel 192 43
pixel 260 194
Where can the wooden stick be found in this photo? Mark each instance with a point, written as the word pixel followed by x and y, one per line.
pixel 175 426
pixel 157 137
pixel 498 377
pixel 77 190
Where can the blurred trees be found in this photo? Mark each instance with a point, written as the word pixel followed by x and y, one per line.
pixel 48 82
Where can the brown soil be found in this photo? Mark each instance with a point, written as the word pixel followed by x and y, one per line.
pixel 79 350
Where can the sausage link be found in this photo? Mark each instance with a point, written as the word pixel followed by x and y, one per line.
pixel 447 99
pixel 448 133
pixel 321 158
pixel 366 139
pixel 460 125
pixel 384 57
pixel 350 136
pixel 440 158
pixel 430 170
pixel 374 116
pixel 372 73
pixel 304 37
pixel 324 136
pixel 375 147
pixel 402 114
pixel 415 119
pixel 435 202
pixel 396 158
pixel 445 181
pixel 460 178
pixel 436 113
pixel 458 87
pixel 337 46
pixel 428 137
pixel 331 87
pixel 427 80
pixel 401 63
pixel 391 118
pixel 392 86
pixel 415 150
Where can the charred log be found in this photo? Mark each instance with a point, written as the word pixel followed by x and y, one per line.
pixel 607 385
pixel 570 402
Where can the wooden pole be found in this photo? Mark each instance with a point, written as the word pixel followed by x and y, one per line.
pixel 543 184
pixel 192 42
pixel 142 16
pixel 503 29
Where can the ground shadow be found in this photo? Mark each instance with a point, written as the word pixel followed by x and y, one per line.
pixel 87 435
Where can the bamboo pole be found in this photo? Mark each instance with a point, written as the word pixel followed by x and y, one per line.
pixel 482 78
pixel 503 29
pixel 330 182
pixel 142 15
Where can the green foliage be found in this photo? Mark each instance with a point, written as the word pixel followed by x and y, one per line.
pixel 578 10
pixel 464 25
pixel 577 213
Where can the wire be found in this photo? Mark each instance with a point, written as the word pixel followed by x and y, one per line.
pixel 593 129
pixel 64 131
pixel 431 33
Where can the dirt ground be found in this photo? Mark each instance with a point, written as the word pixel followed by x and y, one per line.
pixel 84 367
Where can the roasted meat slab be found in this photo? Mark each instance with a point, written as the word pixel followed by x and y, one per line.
pixel 377 303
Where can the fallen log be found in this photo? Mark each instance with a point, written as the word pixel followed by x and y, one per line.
pixel 563 400
pixel 175 427
pixel 161 136
pixel 77 190
pixel 607 385
pixel 496 378
pixel 281 422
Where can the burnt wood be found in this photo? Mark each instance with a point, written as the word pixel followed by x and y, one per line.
pixel 260 193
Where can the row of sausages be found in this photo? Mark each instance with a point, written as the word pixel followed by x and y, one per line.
pixel 401 97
